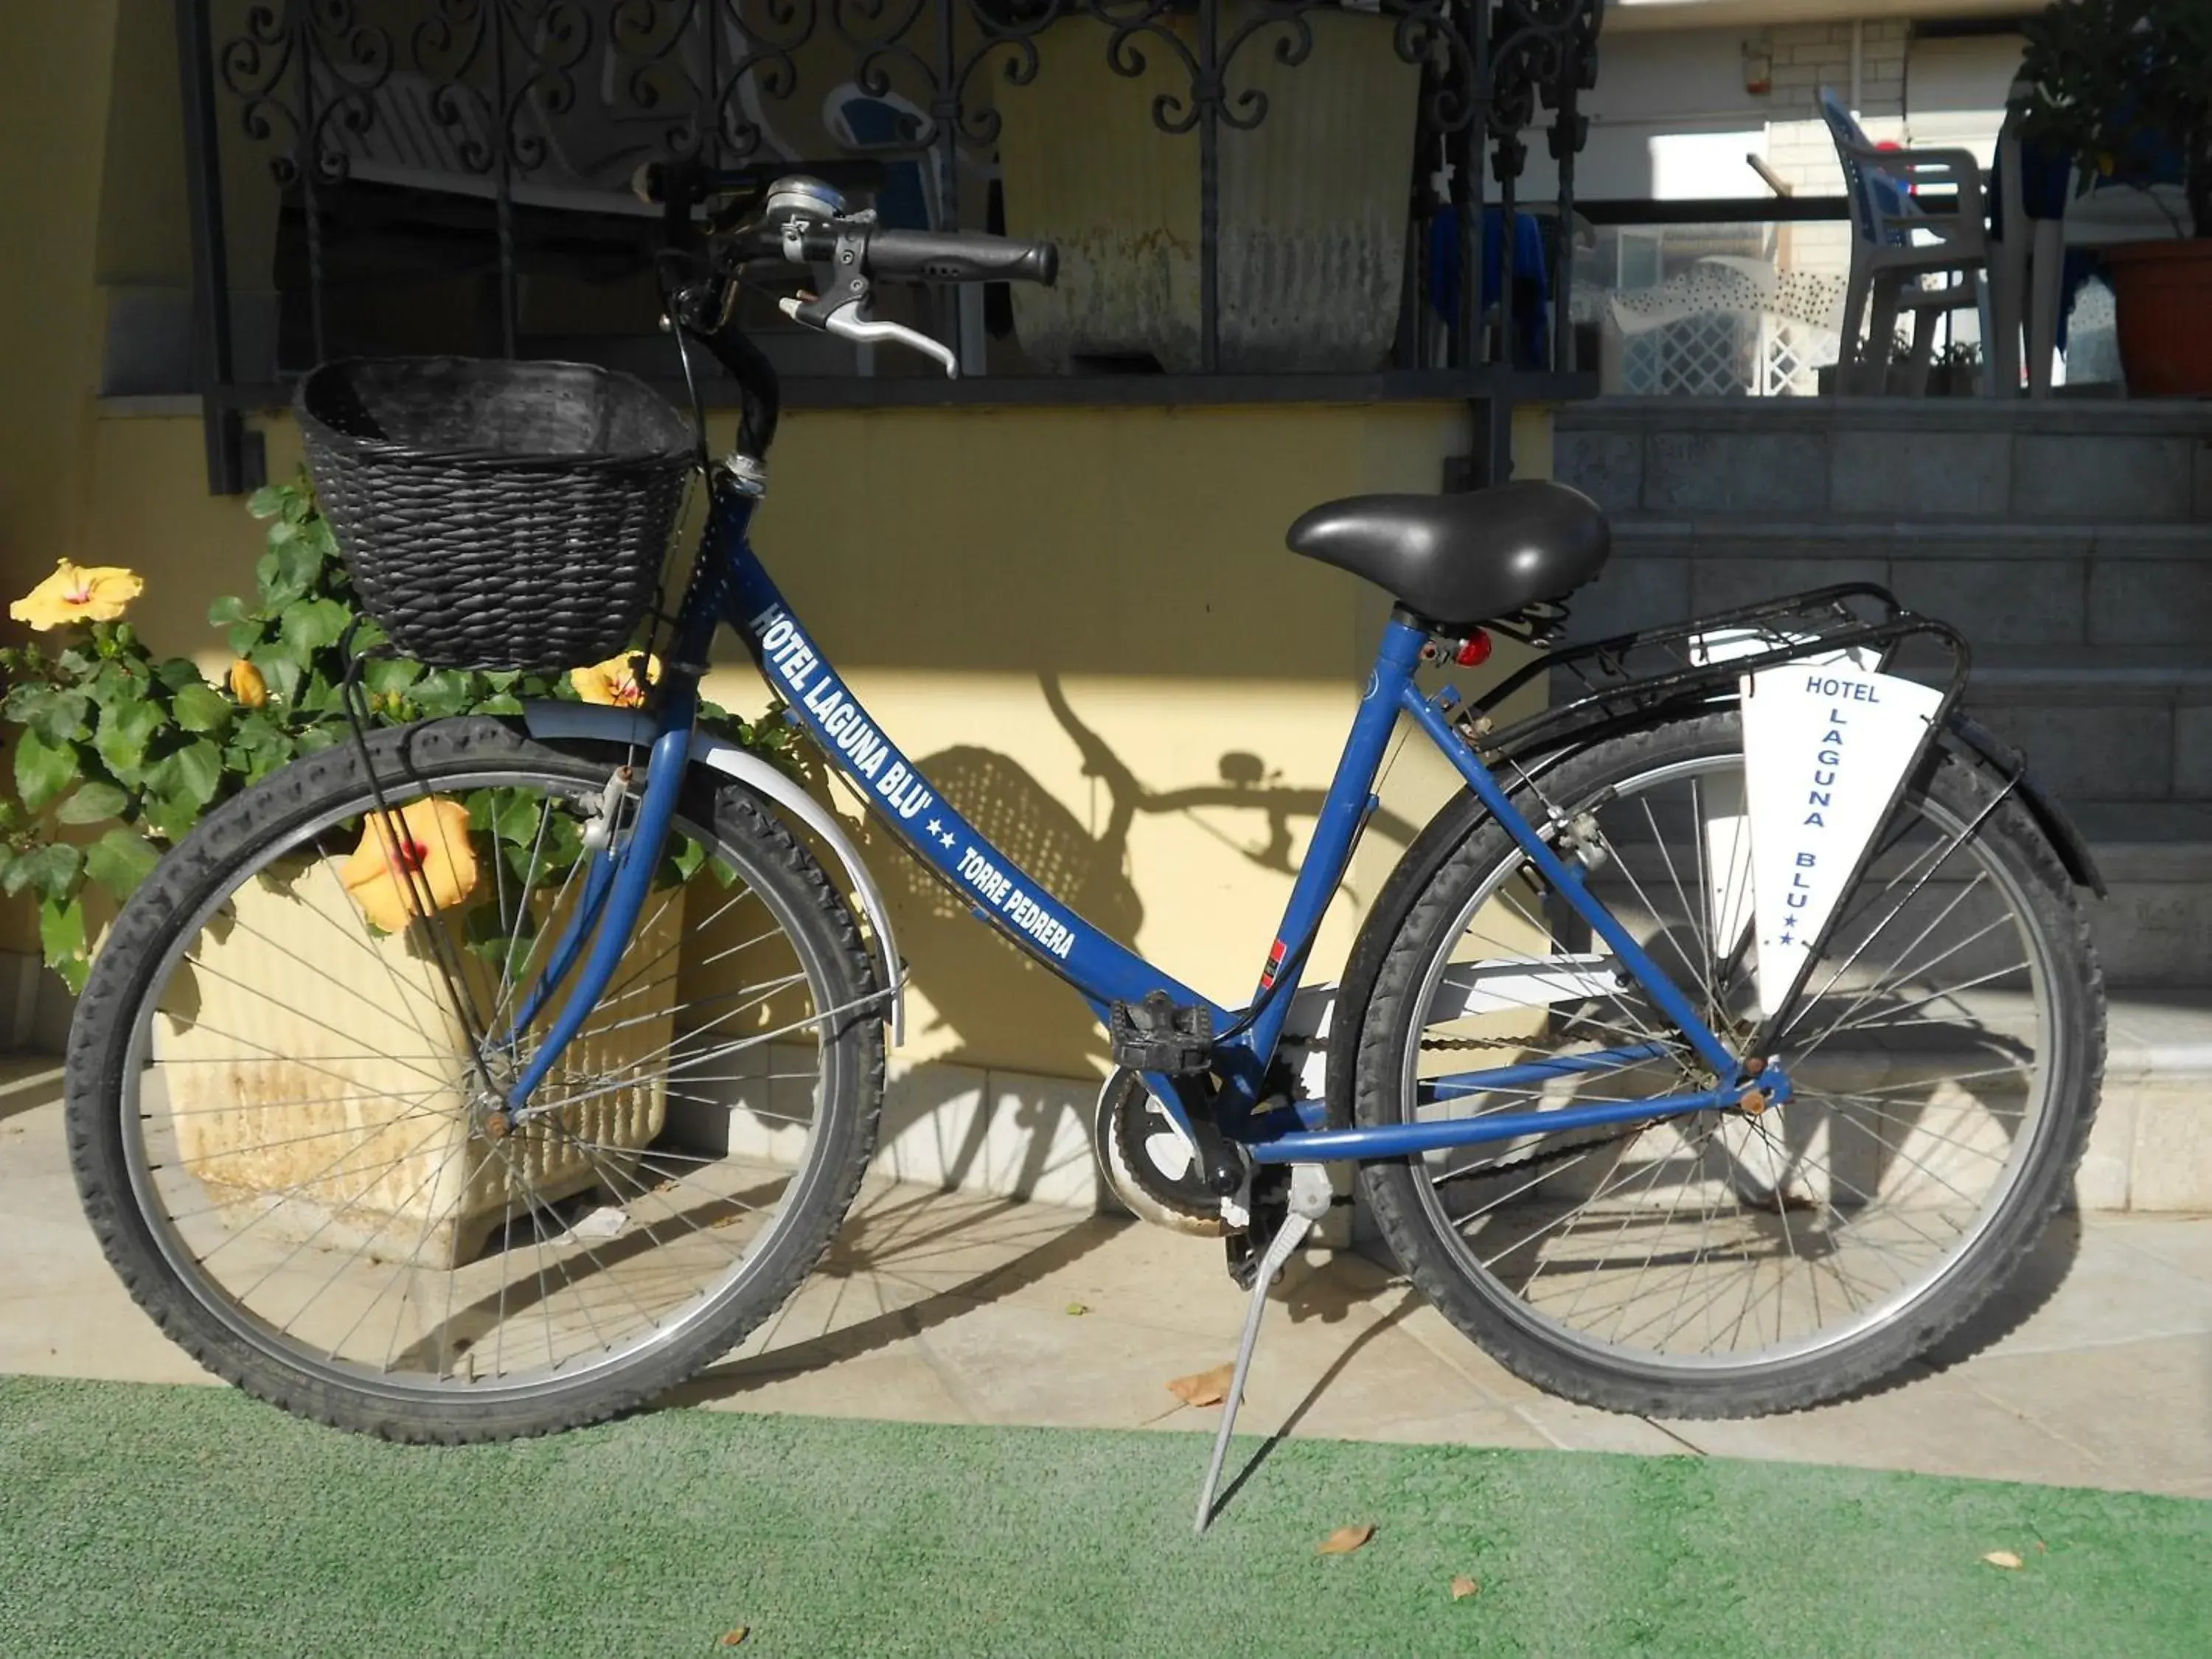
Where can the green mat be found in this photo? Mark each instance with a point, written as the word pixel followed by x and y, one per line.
pixel 139 1520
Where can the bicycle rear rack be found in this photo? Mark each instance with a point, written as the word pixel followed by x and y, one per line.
pixel 1656 671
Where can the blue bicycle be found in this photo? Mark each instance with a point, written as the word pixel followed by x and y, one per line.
pixel 1720 1047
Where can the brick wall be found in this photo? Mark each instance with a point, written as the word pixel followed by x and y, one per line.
pixel 1810 55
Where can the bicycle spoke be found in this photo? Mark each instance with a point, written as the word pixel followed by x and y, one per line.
pixel 1719 1235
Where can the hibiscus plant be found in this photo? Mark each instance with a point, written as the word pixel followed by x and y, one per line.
pixel 119 753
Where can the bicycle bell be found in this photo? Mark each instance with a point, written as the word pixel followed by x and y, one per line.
pixel 795 195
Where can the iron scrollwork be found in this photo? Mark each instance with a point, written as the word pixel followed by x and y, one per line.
pixel 516 100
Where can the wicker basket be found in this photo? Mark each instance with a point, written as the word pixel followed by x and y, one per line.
pixel 496 514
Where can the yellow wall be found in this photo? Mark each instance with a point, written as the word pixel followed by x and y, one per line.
pixel 1057 611
pixel 54 68
pixel 1085 617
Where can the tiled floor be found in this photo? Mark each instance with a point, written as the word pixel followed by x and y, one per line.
pixel 2096 1370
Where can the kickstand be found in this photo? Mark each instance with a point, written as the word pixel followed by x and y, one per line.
pixel 1310 1200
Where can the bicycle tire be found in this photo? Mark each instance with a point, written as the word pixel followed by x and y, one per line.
pixel 1461 856
pixel 105 1131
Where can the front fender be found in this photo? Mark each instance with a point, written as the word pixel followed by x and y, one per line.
pixel 596 723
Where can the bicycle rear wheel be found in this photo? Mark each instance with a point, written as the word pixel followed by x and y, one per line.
pixel 1946 1062
pixel 291 1155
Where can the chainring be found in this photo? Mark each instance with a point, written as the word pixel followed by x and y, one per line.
pixel 1148 1164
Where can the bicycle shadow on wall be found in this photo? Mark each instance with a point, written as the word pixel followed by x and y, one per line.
pixel 980 988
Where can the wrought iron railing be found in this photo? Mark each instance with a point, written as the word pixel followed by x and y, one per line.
pixel 341 150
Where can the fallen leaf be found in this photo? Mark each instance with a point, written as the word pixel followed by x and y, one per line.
pixel 730 1639
pixel 2042 1548
pixel 1203 1388
pixel 1079 1308
pixel 2004 1559
pixel 1345 1540
pixel 1463 1588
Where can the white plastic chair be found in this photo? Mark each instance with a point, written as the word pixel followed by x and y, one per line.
pixel 1897 245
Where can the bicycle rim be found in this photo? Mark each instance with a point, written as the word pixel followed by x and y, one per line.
pixel 1923 1055
pixel 309 1145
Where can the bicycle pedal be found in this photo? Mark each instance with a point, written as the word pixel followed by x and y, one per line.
pixel 1243 1259
pixel 1158 1035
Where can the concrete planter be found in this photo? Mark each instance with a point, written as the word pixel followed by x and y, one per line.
pixel 2163 293
pixel 358 1139
pixel 1313 202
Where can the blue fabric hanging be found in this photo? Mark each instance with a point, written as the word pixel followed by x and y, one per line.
pixel 1532 286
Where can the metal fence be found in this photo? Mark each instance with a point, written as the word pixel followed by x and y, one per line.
pixel 399 142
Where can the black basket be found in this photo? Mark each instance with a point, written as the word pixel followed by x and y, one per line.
pixel 496 514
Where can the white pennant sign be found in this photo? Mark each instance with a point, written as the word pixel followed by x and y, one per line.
pixel 1825 744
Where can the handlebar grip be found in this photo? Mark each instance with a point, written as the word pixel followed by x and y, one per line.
pixel 961 257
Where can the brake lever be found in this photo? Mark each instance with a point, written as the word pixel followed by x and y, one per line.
pixel 847 323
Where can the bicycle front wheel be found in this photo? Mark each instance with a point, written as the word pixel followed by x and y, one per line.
pixel 1945 1060
pixel 284 1090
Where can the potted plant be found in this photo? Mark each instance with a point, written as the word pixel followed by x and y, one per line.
pixel 118 754
pixel 2123 89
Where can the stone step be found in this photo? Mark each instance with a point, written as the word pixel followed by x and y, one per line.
pixel 2152 1145
pixel 2101 724
pixel 2048 583
pixel 2154 926
pixel 1957 458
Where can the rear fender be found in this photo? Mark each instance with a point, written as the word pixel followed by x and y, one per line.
pixel 1978 743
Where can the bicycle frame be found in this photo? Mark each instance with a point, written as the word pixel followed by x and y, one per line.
pixel 730 585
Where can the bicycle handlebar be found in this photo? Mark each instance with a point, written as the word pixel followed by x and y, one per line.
pixel 936 256
pixel 805 224
pixel 960 256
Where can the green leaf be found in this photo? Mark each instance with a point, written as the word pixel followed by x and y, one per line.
pixel 200 708
pixel 49 871
pixel 267 501
pixel 93 803
pixel 445 692
pixel 316 623
pixel 193 773
pixel 120 860
pixel 515 815
pixel 281 669
pixel 177 673
pixel 55 714
pixel 43 769
pixel 243 636
pixel 286 573
pixel 689 856
pixel 61 931
pixel 228 609
pixel 126 729
pixel 121 682
pixel 389 676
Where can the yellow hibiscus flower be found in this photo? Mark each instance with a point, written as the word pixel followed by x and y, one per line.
pixel 247 685
pixel 435 837
pixel 78 592
pixel 614 680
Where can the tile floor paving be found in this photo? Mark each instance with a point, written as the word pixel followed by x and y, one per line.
pixel 2096 1368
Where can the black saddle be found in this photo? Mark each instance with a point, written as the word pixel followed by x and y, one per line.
pixel 1459 559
